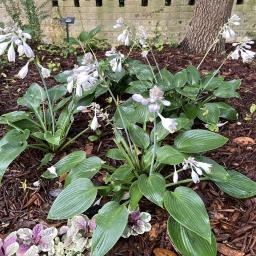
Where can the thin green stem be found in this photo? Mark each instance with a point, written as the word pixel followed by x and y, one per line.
pixel 74 138
pixel 38 147
pixel 154 147
pixel 171 174
pixel 184 181
pixel 157 66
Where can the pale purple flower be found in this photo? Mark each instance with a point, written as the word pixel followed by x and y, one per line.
pixel 87 58
pixel 168 123
pixel 196 167
pixel 242 50
pixel 119 23
pixel 138 223
pixel 9 246
pixel 156 98
pixel 124 37
pixel 45 71
pixel 116 59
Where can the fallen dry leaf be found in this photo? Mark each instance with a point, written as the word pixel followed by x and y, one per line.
pixel 243 141
pixel 227 251
pixel 153 233
pixel 163 252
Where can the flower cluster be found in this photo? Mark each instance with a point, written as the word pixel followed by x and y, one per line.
pixel 227 32
pixel 124 36
pixel 82 78
pixel 116 59
pixel 196 167
pixel 242 50
pixel 154 102
pixel 138 224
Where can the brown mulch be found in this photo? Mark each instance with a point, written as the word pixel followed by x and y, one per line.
pixel 233 221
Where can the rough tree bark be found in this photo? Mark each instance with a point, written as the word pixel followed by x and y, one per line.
pixel 209 17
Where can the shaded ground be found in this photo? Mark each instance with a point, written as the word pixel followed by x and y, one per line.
pixel 233 221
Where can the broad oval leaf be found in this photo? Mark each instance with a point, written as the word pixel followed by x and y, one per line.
pixel 186 207
pixel 169 155
pixel 85 169
pixel 138 136
pixel 228 89
pixel 14 116
pixel 74 199
pixel 197 141
pixel 135 196
pixel 238 185
pixel 209 113
pixel 110 224
pixel 188 243
pixel 116 154
pixel 180 78
pixel 153 188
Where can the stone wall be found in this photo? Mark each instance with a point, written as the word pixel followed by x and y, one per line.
pixel 172 20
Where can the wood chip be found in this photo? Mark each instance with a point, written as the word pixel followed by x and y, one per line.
pixel 243 141
pixel 227 251
pixel 163 252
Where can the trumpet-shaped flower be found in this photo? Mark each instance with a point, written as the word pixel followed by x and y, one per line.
pixel 156 98
pixel 124 37
pixel 23 72
pixel 168 123
pixel 9 246
pixel 196 167
pixel 175 177
pixel 45 72
pixel 138 223
pixel 116 59
pixel 94 124
pixel 242 50
pixel 119 23
pixel 227 32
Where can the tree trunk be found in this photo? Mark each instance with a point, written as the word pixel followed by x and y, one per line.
pixel 209 17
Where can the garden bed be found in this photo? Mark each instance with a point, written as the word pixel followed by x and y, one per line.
pixel 233 221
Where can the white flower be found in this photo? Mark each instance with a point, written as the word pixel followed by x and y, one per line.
pixel 124 37
pixel 228 33
pixel 36 183
pixel 156 98
pixel 11 53
pixel 119 23
pixel 142 35
pixel 168 123
pixel 27 50
pixel 23 72
pixel 242 50
pixel 116 61
pixel 45 72
pixel 196 167
pixel 94 124
pixel 3 47
pixel 87 58
pixel 144 53
pixel 52 170
pixel 234 20
pixel 175 177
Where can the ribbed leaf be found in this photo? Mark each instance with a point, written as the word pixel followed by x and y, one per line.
pixel 135 196
pixel 197 141
pixel 110 224
pixel 138 136
pixel 153 188
pixel 169 155
pixel 116 154
pixel 186 207
pixel 188 243
pixel 74 199
pixel 238 185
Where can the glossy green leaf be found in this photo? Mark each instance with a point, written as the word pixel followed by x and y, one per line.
pixel 152 187
pixel 197 141
pixel 165 80
pixel 116 154
pixel 135 196
pixel 238 185
pixel 74 199
pixel 187 208
pixel 57 92
pixel 123 172
pixel 188 243
pixel 169 155
pixel 85 169
pixel 138 87
pixel 193 75
pixel 228 89
pixel 138 136
pixel 180 78
pixel 110 224
pixel 14 116
pixel 209 113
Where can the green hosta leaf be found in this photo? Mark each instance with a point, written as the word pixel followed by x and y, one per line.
pixel 218 172
pixel 85 169
pixel 62 77
pixel 166 80
pixel 226 111
pixel 124 172
pixel 228 89
pixel 138 87
pixel 66 163
pixel 57 92
pixel 74 199
pixel 169 155
pixel 33 97
pixel 116 154
pixel 238 185
pixel 110 224
pixel 191 110
pixel 190 92
pixel 53 139
pixel 10 150
pixel 188 243
pixel 193 75
pixel 209 113
pixel 196 141
pixel 187 208
pixel 14 117
pixel 152 187
pixel 138 136
pixel 135 196
pixel 143 72
pixel 180 78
